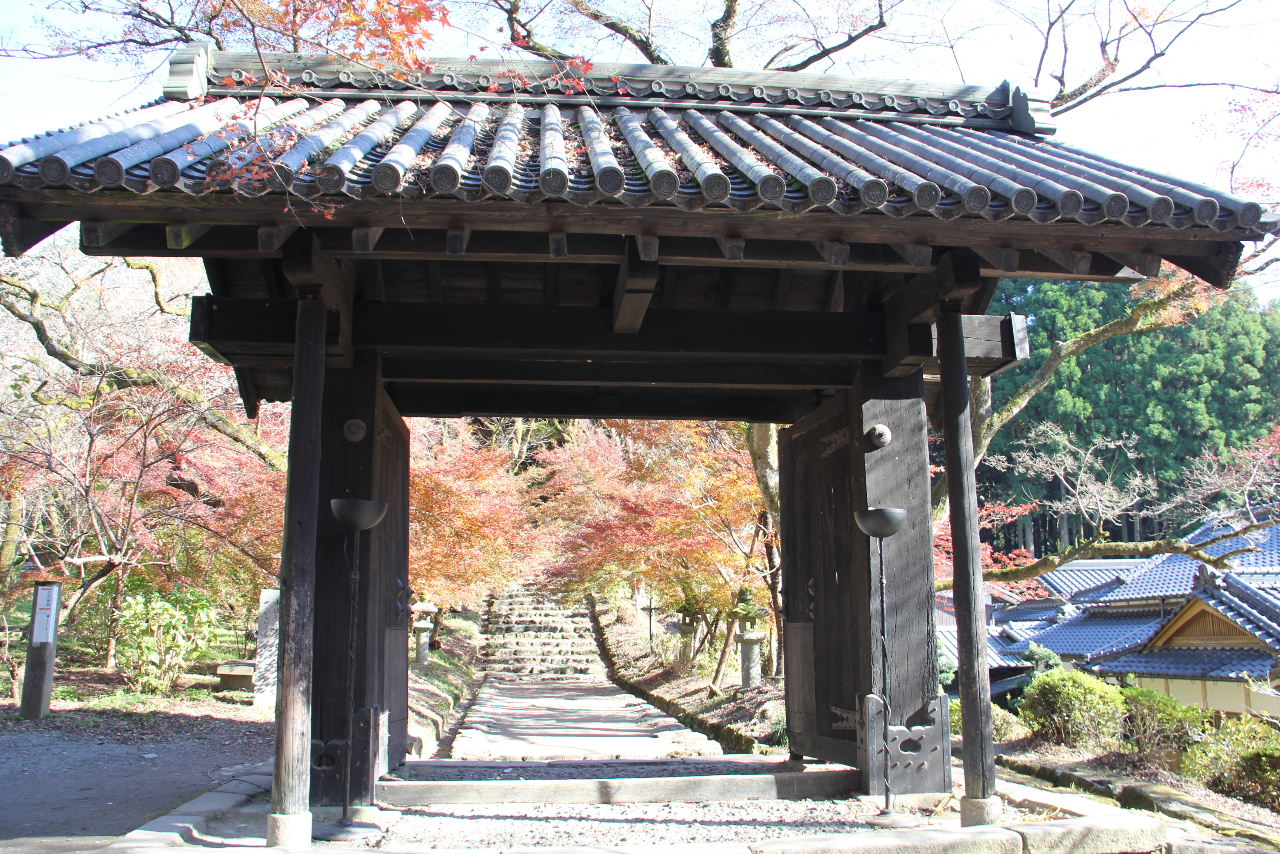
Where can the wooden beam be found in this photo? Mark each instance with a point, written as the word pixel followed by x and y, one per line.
pixel 184 235
pixel 258 331
pixel 19 233
pixel 1218 269
pixel 637 280
pixel 758 375
pixel 560 402
pixel 70 205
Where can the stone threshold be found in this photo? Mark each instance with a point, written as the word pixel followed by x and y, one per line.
pixel 1092 828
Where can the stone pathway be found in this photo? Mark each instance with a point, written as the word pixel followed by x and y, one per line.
pixel 545 695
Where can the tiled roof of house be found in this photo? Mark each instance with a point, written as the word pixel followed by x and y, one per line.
pixel 1081 577
pixel 1034 611
pixel 1227 664
pixel 1255 611
pixel 1000 652
pixel 1174 576
pixel 635 135
pixel 1095 632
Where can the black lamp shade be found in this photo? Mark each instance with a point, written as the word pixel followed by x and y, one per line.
pixel 359 514
pixel 880 521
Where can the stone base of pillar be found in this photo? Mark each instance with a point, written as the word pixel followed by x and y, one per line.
pixel 976 811
pixel 290 831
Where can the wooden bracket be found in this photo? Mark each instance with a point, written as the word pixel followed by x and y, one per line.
pixel 733 248
pixel 272 237
pixel 315 275
pixel 183 235
pixel 365 238
pixel 637 280
pixel 455 241
pixel 557 244
pixel 99 235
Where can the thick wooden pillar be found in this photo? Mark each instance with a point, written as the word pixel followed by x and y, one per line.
pixel 896 474
pixel 834 463
pixel 289 824
pixel 365 455
pixel 975 689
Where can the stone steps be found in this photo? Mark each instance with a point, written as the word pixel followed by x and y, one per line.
pixel 528 632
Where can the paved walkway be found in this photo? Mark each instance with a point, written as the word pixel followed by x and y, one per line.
pixel 539 717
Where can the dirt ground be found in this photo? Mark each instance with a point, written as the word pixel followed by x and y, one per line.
pixel 105 763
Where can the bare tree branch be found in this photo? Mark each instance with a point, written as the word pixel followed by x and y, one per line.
pixel 853 38
pixel 721 31
pixel 642 42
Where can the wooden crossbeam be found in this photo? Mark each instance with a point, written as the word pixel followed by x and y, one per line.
pixel 242 329
pixel 551 402
pixel 760 375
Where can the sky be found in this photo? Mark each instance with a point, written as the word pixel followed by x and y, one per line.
pixel 1193 134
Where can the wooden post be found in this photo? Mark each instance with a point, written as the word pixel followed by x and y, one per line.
pixel 971 630
pixel 42 650
pixel 289 824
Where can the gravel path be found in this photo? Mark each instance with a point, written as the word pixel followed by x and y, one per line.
pixel 540 717
pixel 613 825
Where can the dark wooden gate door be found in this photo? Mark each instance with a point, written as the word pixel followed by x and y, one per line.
pixel 826 655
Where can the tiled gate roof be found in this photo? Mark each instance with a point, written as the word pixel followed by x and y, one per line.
pixel 631 135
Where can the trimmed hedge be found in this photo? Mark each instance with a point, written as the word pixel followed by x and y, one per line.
pixel 1073 708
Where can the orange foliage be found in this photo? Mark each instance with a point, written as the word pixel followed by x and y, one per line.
pixel 471 524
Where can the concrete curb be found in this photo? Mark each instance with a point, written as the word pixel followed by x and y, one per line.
pixel 182 825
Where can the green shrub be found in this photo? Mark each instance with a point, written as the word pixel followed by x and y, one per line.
pixel 1073 708
pixel 1004 726
pixel 1154 722
pixel 1258 778
pixel 160 634
pixel 946 671
pixel 1042 657
pixel 1241 758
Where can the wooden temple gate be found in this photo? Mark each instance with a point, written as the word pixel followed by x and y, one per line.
pixel 642 242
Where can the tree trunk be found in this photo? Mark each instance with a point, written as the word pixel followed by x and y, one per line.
pixel 113 622
pixel 11 508
pixel 729 627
